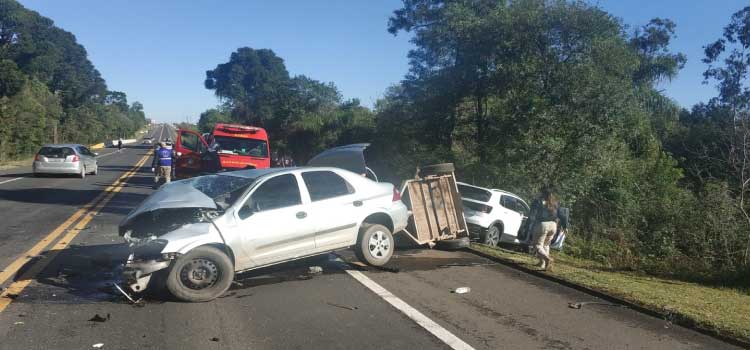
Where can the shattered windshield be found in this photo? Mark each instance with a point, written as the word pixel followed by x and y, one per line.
pixel 223 189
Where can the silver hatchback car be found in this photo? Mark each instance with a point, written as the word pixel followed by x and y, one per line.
pixel 71 159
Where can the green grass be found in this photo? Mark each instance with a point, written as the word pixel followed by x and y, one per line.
pixel 724 311
pixel 15 163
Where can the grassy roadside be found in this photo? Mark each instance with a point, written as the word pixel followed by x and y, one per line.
pixel 723 311
pixel 15 163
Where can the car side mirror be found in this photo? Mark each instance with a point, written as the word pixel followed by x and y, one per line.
pixel 245 212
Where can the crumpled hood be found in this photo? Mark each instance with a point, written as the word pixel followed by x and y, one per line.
pixel 180 194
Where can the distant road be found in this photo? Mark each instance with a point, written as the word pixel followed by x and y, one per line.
pixel 59 252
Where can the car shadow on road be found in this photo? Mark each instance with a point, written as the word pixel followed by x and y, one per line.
pixel 18 175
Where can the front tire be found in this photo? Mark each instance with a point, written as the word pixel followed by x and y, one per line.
pixel 203 274
pixel 375 244
pixel 492 236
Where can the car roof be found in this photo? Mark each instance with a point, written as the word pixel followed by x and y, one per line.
pixel 491 190
pixel 257 173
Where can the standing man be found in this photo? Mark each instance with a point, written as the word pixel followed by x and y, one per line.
pixel 119 144
pixel 162 164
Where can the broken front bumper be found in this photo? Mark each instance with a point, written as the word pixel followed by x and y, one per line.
pixel 137 273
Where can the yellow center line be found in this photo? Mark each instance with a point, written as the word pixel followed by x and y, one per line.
pixel 24 280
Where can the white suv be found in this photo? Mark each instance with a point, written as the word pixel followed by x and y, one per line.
pixel 496 216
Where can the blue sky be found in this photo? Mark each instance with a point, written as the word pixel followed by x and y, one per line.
pixel 158 51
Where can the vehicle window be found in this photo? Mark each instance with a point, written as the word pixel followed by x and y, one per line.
pixel 325 184
pixel 242 147
pixel 474 193
pixel 85 151
pixel 279 192
pixel 189 141
pixel 514 204
pixel 56 152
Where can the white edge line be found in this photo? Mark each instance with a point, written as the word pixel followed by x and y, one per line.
pixel 414 314
pixel 6 181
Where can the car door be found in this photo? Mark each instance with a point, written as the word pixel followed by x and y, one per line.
pixel 334 207
pixel 87 160
pixel 274 223
pixel 188 147
pixel 512 218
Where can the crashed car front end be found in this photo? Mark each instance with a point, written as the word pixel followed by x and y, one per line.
pixel 172 221
pixel 156 252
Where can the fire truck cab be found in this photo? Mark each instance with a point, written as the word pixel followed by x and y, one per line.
pixel 227 147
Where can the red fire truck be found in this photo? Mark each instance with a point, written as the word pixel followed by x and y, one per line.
pixel 227 147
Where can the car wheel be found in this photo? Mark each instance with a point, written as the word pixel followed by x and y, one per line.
pixel 374 245
pixel 491 236
pixel 453 244
pixel 202 274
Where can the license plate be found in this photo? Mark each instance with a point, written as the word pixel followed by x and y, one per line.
pixel 55 160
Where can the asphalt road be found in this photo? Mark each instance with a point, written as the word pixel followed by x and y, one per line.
pixel 51 296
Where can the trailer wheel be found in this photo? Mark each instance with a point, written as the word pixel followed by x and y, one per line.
pixel 436 169
pixel 375 244
pixel 453 244
pixel 202 274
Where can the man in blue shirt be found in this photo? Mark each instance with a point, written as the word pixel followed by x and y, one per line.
pixel 161 166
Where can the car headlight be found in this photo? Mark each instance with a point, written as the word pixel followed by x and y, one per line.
pixel 150 250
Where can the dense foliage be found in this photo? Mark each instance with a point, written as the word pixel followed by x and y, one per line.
pixel 50 91
pixel 527 93
pixel 303 116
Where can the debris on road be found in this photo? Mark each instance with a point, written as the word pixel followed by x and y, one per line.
pixel 98 345
pixel 214 339
pixel 315 270
pixel 343 306
pixel 580 304
pixel 132 301
pixel 238 284
pixel 388 269
pixel 462 290
pixel 18 323
pixel 11 296
pixel 304 277
pixel 98 318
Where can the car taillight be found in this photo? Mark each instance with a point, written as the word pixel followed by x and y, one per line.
pixel 75 159
pixel 396 195
pixel 37 157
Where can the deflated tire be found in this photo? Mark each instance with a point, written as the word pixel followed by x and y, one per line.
pixel 203 274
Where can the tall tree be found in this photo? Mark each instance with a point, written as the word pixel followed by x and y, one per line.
pixel 255 83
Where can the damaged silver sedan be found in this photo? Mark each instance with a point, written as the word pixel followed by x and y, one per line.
pixel 194 235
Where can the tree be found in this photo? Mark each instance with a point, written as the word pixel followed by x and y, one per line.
pixel 729 65
pixel 255 83
pixel 210 118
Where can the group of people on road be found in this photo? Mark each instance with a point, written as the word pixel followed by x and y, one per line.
pixel 548 220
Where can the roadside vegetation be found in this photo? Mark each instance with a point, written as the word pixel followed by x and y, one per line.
pixel 50 91
pixel 526 93
pixel 722 311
